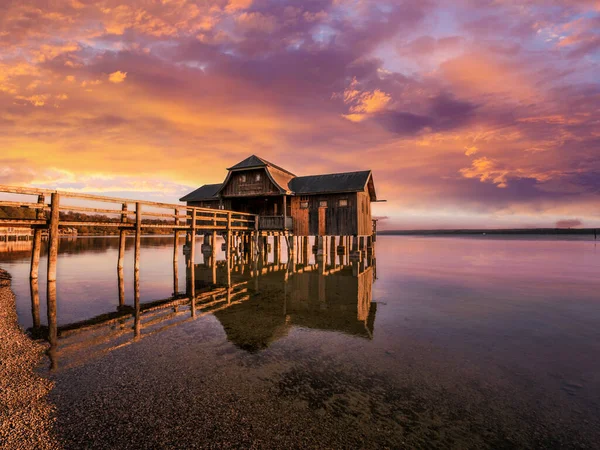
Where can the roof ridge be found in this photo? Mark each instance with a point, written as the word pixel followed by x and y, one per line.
pixel 335 173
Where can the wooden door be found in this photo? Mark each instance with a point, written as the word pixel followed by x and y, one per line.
pixel 322 221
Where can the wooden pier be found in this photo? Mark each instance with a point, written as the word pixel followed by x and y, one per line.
pixel 245 245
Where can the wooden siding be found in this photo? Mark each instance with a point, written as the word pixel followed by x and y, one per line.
pixel 235 187
pixel 209 204
pixel 363 213
pixel 334 220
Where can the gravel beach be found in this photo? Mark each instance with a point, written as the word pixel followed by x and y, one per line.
pixel 26 416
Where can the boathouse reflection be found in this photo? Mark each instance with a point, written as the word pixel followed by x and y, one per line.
pixel 257 301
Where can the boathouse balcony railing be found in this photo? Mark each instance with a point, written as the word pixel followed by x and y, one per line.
pixel 275 223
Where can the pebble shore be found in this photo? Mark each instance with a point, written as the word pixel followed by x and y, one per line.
pixel 26 415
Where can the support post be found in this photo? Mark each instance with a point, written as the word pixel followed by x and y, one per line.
pixel 193 265
pixel 229 252
pixel 37 243
pixel 136 267
pixel 52 325
pixel 284 210
pixel 122 238
pixel 176 255
pixel 35 302
pixel 53 237
pixel 332 253
pixel 304 241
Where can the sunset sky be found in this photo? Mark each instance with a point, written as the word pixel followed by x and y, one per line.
pixel 471 113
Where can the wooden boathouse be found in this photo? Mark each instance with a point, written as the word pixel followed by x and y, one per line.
pixel 337 204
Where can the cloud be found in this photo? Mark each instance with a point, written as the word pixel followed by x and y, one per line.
pixel 569 223
pixel 117 77
pixel 491 112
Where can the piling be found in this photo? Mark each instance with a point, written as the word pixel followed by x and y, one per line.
pixel 176 255
pixel 122 238
pixel 37 242
pixel 193 264
pixel 136 266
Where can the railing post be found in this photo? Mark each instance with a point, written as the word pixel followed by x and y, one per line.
pixel 192 264
pixel 37 242
pixel 122 238
pixel 228 246
pixel 176 255
pixel 136 267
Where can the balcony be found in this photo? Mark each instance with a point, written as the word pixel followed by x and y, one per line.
pixel 275 223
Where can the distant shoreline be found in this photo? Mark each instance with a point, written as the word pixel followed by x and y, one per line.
pixel 508 232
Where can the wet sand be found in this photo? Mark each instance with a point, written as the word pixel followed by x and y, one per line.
pixel 26 415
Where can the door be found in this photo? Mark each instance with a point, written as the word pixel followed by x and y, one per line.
pixel 322 221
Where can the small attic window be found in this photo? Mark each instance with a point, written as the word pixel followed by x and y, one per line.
pixel 243 178
pixel 257 177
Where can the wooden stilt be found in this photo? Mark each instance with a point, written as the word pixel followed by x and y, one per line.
pixel 176 256
pixel 37 243
pixel 136 268
pixel 53 237
pixel 120 274
pixel 52 325
pixel 193 264
pixel 35 302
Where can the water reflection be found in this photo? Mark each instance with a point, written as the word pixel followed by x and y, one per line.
pixel 256 302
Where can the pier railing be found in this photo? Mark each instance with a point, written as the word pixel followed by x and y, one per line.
pixel 126 215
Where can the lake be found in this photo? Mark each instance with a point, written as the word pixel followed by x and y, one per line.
pixel 442 342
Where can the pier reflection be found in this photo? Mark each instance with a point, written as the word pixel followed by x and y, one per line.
pixel 257 300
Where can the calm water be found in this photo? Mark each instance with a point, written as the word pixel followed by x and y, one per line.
pixel 458 343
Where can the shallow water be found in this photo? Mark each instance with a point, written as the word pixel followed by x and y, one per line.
pixel 461 343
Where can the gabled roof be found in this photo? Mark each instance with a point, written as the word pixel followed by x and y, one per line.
pixel 333 182
pixel 203 193
pixel 289 183
pixel 280 177
pixel 255 162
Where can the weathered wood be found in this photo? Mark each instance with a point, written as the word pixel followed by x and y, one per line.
pixel 53 237
pixel 121 256
pixel 193 264
pixel 176 257
pixel 94 210
pixel 136 267
pixel 24 190
pixel 332 254
pixel 37 243
pixel 35 302
pixel 52 324
pixel 22 223
pixel 27 205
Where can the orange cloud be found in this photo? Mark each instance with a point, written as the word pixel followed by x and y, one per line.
pixel 117 77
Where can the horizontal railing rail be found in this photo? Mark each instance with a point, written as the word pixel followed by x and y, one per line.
pixel 121 215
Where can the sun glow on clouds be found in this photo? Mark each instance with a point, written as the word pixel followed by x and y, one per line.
pixel 469 113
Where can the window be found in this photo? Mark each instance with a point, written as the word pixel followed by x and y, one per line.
pixel 257 177
pixel 243 178
pixel 343 202
pixel 323 204
pixel 304 205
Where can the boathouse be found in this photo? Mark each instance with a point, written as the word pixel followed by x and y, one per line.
pixel 337 204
